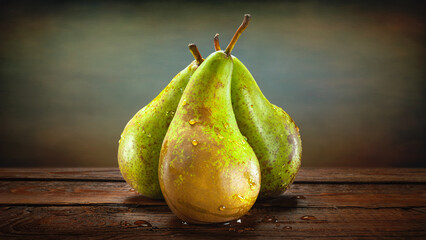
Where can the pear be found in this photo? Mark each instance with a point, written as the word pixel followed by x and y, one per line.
pixel 140 143
pixel 208 172
pixel 270 131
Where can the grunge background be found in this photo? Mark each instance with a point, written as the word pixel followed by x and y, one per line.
pixel 350 74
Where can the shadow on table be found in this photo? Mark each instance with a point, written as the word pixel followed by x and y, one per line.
pixel 262 213
pixel 141 200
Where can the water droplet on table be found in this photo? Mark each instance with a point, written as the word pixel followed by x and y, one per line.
pixel 287 228
pixel 142 223
pixel 308 217
pixel 268 219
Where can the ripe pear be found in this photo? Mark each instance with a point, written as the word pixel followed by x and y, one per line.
pixel 270 131
pixel 140 143
pixel 208 172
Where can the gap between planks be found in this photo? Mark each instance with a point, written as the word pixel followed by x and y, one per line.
pixel 299 195
pixel 305 175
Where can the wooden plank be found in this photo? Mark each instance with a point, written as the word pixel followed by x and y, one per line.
pixel 107 174
pixel 299 195
pixel 362 175
pixel 324 175
pixel 112 222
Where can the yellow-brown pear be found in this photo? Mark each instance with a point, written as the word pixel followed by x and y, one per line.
pixel 208 172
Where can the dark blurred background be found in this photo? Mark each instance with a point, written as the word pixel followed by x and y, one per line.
pixel 350 74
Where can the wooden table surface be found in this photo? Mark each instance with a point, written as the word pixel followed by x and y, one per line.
pixel 322 203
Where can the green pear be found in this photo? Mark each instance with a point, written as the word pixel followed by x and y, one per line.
pixel 270 131
pixel 140 143
pixel 208 172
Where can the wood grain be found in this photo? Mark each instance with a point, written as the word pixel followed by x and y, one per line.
pixel 299 195
pixel 325 175
pixel 111 222
pixel 322 204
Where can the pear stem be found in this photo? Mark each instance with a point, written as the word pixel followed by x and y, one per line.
pixel 237 34
pixel 216 42
pixel 197 55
